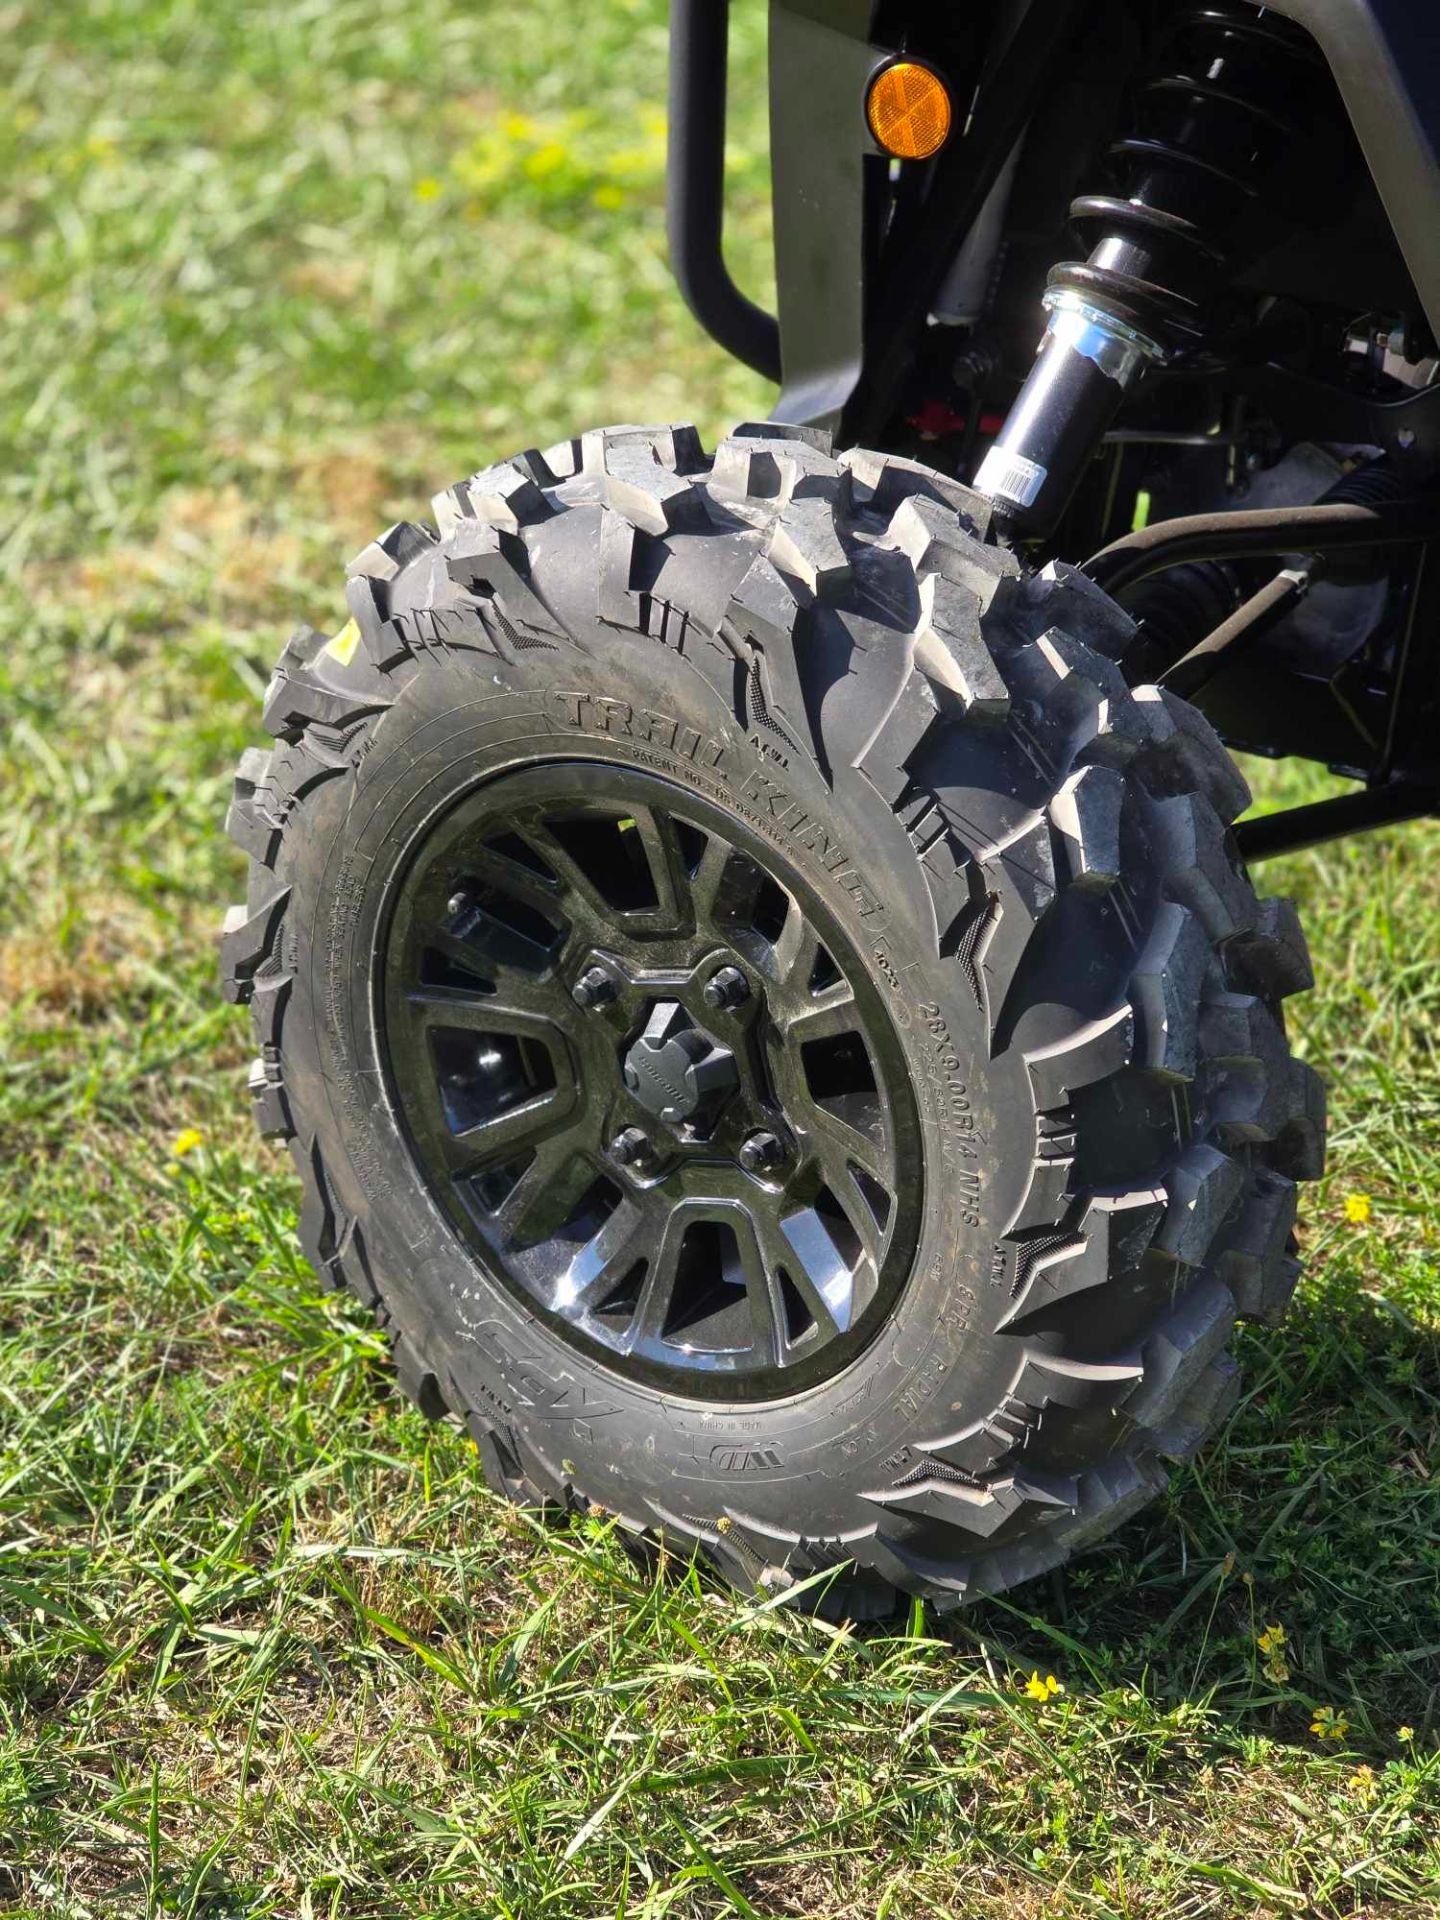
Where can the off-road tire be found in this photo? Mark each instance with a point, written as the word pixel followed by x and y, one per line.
pixel 1035 861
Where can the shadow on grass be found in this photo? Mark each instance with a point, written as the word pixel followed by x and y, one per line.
pixel 1318 1511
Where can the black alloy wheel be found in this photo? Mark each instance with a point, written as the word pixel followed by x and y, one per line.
pixel 648 1080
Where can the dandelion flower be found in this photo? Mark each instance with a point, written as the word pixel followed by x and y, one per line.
pixel 1357 1208
pixel 186 1142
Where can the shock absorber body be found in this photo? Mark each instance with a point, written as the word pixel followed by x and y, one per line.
pixel 1208 130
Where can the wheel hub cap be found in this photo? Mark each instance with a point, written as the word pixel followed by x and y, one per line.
pixel 677 1072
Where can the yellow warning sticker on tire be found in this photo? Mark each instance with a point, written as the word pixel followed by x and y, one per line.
pixel 342 647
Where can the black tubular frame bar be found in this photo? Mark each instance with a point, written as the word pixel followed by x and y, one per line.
pixel 695 187
pixel 1296 828
pixel 1266 530
pixel 1391 798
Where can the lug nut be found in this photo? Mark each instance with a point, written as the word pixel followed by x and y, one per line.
pixel 629 1147
pixel 762 1152
pixel 593 989
pixel 456 905
pixel 727 988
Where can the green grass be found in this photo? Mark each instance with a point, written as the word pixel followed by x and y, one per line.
pixel 271 274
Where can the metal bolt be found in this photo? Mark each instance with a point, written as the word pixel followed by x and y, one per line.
pixel 593 989
pixel 761 1152
pixel 727 987
pixel 456 904
pixel 629 1147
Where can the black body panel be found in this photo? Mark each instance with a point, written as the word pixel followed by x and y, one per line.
pixel 1385 59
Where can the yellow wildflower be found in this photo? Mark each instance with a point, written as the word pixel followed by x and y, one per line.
pixel 1039 1689
pixel 186 1141
pixel 428 188
pixel 1405 1733
pixel 1329 1723
pixel 1357 1208
pixel 1272 1644
pixel 545 160
pixel 1362 1783
pixel 608 197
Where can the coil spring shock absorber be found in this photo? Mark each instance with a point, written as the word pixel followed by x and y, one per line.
pixel 1208 131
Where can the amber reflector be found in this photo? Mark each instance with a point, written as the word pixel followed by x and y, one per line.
pixel 908 110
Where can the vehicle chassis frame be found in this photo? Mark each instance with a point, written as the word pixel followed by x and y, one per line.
pixel 852 305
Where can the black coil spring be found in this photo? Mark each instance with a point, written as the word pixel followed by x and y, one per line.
pixel 1208 130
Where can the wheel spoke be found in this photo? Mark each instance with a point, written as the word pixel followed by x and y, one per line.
pixel 668 874
pixel 469 1148
pixel 461 955
pixel 817 1267
pixel 589 913
pixel 763 1253
pixel 547 1193
pixel 737 891
pixel 838 1167
pixel 590 872
pixel 792 961
pixel 652 1309
pixel 823 1017
pixel 518 1005
pixel 489 945
pixel 843 1127
pixel 860 1212
pixel 514 875
pixel 708 880
pixel 597 1267
pixel 834 1141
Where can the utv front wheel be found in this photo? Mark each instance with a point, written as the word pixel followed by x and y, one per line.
pixel 776 1029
